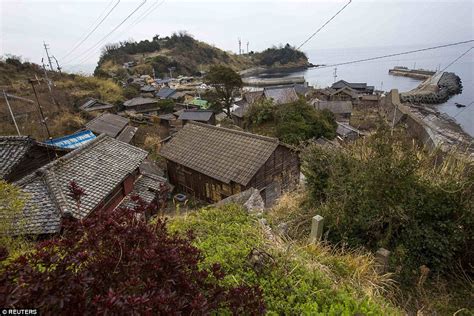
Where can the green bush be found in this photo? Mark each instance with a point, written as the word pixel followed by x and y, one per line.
pixel 385 192
pixel 260 112
pixel 290 287
pixel 299 121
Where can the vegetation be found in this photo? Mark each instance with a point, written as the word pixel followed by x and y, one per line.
pixel 282 56
pixel 179 52
pixel 226 82
pixel 11 205
pixel 292 123
pixel 294 282
pixel 113 262
pixel 387 192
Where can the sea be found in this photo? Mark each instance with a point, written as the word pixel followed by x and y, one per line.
pixel 375 73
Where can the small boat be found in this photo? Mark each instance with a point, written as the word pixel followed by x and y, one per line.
pixel 459 105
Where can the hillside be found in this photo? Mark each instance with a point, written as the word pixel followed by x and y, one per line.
pixel 59 105
pixel 187 56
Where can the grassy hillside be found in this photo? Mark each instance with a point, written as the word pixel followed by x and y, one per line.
pixel 187 56
pixel 60 106
pixel 296 279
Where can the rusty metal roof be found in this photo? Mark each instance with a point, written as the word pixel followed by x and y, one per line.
pixel 220 153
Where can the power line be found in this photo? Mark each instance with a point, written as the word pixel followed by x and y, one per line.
pixel 327 22
pixel 392 55
pixel 457 59
pixel 91 49
pixel 142 17
pixel 92 31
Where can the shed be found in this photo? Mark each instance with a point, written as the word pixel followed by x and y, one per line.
pixel 203 116
pixel 148 89
pixel 347 132
pixel 93 105
pixel 141 105
pixel 212 163
pixel 107 123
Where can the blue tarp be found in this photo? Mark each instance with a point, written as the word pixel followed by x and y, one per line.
pixel 72 141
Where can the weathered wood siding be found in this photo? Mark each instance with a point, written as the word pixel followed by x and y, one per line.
pixel 279 173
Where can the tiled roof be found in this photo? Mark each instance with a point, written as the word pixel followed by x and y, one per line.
pixel 97 167
pixel 146 187
pixel 94 105
pixel 220 153
pixel 336 107
pixel 139 101
pixel 107 123
pixel 127 134
pixel 165 93
pixel 281 95
pixel 12 150
pixel 196 115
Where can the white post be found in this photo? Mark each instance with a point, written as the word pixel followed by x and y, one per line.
pixel 317 225
pixel 11 113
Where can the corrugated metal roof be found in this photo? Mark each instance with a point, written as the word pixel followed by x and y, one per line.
pixel 95 105
pixel 165 93
pixel 139 101
pixel 220 153
pixel 72 141
pixel 281 95
pixel 107 123
pixel 336 107
pixel 127 134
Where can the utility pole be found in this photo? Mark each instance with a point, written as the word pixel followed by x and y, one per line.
pixel 57 64
pixel 240 46
pixel 335 74
pixel 47 54
pixel 43 119
pixel 11 113
pixel 48 83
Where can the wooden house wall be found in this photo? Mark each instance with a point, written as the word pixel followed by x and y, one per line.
pixel 279 173
pixel 199 185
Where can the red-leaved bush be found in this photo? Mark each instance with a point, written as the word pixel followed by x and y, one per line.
pixel 113 262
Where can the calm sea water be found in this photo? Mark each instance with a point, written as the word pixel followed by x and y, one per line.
pixel 376 72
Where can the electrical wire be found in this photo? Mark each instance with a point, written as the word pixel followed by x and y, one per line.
pixel 92 31
pixel 90 51
pixel 327 22
pixel 392 55
pixel 451 63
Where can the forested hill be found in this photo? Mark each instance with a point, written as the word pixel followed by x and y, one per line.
pixel 187 56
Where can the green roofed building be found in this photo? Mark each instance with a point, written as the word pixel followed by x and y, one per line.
pixel 203 104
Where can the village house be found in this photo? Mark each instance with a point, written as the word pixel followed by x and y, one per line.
pixel 347 132
pixel 342 110
pixel 20 155
pixel 165 93
pixel 203 116
pixel 107 170
pixel 212 163
pixel 112 125
pixel 94 105
pixel 344 94
pixel 281 94
pixel 362 88
pixel 141 105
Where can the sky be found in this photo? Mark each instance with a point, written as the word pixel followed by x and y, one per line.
pixel 25 24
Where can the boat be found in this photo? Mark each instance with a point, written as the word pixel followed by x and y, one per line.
pixel 459 105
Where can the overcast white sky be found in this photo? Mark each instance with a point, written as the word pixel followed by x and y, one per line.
pixel 26 23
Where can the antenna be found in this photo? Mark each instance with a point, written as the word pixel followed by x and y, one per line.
pixel 46 46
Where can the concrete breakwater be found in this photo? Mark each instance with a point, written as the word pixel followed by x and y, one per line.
pixel 412 73
pixel 436 89
pixel 257 82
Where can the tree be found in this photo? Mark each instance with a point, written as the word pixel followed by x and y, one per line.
pixel 225 81
pixel 299 121
pixel 114 262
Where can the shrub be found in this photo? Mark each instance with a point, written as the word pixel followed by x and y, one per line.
pixel 113 262
pixel 260 112
pixel 291 285
pixel 298 121
pixel 386 193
